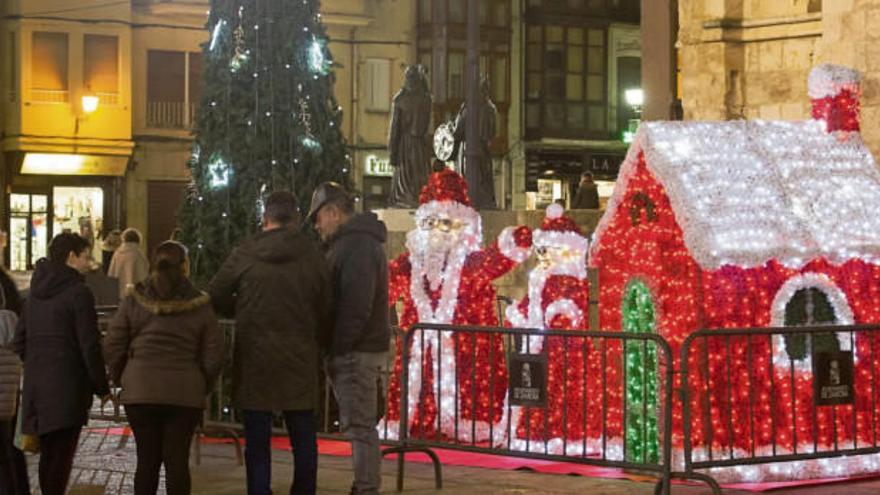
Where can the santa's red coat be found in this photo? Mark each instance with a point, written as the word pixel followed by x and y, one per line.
pixel 477 305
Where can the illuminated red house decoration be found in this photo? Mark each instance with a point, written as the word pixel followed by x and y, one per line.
pixel 753 224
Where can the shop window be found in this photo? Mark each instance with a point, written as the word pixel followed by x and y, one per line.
pixel 173 88
pixel 49 60
pixel 79 210
pixel 378 84
pixel 101 67
pixel 28 230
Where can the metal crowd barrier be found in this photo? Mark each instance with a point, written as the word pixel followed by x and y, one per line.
pixel 608 396
pixel 763 395
pixel 611 392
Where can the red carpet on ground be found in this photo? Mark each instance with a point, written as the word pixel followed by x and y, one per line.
pixel 458 458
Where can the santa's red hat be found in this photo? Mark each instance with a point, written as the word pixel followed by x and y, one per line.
pixel 559 230
pixel 445 195
pixel 445 185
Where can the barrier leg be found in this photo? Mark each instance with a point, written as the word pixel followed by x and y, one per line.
pixel 401 451
pixel 705 478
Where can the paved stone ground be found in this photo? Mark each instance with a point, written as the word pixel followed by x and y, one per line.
pixel 105 464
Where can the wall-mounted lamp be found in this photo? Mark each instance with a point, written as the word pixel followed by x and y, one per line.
pixel 90 104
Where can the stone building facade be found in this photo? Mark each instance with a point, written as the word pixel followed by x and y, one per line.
pixel 123 163
pixel 750 58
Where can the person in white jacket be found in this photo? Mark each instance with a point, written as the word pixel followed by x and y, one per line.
pixel 129 264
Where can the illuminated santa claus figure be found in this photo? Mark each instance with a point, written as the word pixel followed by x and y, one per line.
pixel 558 299
pixel 446 277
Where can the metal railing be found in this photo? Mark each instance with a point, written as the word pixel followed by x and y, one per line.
pixel 170 114
pixel 755 396
pixel 591 414
pixel 49 95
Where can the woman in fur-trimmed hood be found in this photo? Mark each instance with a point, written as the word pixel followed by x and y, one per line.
pixel 165 349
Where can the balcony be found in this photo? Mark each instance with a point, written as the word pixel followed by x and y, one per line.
pixel 49 96
pixel 170 115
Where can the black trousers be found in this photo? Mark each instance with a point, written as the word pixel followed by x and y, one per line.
pixel 57 449
pixel 163 434
pixel 13 469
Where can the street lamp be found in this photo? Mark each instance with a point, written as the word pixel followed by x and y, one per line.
pixel 635 98
pixel 90 104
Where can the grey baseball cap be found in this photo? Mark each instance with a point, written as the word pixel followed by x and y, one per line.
pixel 325 193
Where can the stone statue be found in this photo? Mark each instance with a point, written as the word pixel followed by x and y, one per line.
pixel 409 143
pixel 483 193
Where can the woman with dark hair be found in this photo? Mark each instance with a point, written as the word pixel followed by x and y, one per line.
pixel 164 348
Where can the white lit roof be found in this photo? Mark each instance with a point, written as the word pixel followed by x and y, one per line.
pixel 745 192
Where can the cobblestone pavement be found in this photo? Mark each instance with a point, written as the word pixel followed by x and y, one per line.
pixel 105 464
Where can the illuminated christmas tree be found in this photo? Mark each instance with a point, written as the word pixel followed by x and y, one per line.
pixel 267 121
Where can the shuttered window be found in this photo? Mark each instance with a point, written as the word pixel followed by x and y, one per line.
pixel 378 84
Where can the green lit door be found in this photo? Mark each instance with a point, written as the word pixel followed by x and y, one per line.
pixel 640 377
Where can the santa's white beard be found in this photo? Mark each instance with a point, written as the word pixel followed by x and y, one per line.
pixel 430 253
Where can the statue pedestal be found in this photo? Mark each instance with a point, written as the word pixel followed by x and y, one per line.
pixel 514 284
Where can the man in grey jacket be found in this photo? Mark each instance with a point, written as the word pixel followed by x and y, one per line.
pixel 361 331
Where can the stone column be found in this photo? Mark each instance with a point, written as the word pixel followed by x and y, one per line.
pixel 659 33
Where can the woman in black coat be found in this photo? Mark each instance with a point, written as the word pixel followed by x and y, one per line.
pixel 57 339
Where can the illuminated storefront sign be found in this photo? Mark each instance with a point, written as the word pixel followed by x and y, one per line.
pixel 378 166
pixel 65 164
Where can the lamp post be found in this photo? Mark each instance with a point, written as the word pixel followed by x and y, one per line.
pixel 88 105
pixel 472 130
pixel 635 98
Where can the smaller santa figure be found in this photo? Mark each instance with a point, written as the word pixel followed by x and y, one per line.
pixel 558 299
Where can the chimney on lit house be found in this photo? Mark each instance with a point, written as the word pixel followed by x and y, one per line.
pixel 835 92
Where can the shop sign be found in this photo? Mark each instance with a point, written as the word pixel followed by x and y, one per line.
pixel 69 164
pixel 528 380
pixel 378 166
pixel 605 165
pixel 833 378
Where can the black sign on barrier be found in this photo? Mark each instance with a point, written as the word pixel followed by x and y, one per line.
pixel 833 378
pixel 528 380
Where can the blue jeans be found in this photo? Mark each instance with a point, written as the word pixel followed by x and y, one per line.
pixel 258 453
pixel 356 379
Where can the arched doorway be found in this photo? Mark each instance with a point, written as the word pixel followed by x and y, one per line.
pixel 641 435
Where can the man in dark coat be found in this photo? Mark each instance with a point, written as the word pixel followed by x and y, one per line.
pixel 587 196
pixel 361 331
pixel 57 339
pixel 279 286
